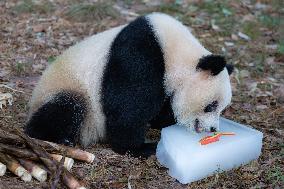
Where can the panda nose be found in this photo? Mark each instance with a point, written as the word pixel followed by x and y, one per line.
pixel 213 129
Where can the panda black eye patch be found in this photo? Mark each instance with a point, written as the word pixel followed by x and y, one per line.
pixel 211 107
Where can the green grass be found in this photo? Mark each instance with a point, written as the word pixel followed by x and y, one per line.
pixel 89 12
pixel 30 6
pixel 251 29
pixel 276 176
pixel 281 47
pixel 221 13
pixel 21 69
pixel 51 59
pixel 269 21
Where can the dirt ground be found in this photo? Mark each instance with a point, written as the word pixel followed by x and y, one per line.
pixel 248 33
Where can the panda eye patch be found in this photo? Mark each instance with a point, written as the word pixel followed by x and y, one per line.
pixel 211 107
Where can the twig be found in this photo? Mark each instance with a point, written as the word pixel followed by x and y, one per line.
pixel 6 86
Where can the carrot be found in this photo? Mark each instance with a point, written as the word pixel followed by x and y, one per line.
pixel 214 138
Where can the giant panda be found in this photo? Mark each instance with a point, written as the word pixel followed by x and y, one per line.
pixel 113 86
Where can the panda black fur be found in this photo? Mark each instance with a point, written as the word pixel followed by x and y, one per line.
pixel 112 85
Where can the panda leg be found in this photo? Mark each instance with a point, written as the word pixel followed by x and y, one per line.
pixel 130 139
pixel 59 119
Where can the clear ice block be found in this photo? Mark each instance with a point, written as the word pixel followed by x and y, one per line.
pixel 188 160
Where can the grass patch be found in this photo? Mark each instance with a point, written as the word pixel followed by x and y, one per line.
pixel 170 8
pixel 221 8
pixel 251 29
pixel 276 176
pixel 269 21
pixel 281 47
pixel 51 59
pixel 21 69
pixel 221 13
pixel 89 12
pixel 30 6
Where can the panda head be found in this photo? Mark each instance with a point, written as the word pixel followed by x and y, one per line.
pixel 205 92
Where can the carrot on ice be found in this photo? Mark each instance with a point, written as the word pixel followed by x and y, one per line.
pixel 214 138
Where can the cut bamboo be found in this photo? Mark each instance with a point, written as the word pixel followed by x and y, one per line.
pixel 37 172
pixel 18 152
pixel 74 153
pixel 50 147
pixel 68 162
pixel 2 169
pixel 70 181
pixel 52 165
pixel 14 166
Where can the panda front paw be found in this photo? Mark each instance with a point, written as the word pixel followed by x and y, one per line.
pixel 144 151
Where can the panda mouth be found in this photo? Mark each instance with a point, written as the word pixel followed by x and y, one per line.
pixel 197 126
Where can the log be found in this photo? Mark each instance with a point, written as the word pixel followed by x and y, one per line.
pixel 2 169
pixel 37 172
pixel 14 166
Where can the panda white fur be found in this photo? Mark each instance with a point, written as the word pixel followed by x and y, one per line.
pixel 110 86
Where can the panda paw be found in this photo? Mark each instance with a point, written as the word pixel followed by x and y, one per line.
pixel 145 150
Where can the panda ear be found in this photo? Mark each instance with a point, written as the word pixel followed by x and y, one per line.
pixel 213 63
pixel 230 68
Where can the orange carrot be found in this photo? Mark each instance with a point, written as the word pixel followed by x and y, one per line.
pixel 214 138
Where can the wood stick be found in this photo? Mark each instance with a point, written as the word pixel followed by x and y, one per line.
pixel 37 172
pixel 75 153
pixel 68 162
pixel 2 169
pixel 14 166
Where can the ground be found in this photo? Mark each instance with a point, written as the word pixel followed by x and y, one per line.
pixel 248 33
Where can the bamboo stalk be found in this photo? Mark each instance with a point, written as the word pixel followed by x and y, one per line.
pixel 70 181
pixel 68 162
pixel 30 155
pixel 18 152
pixel 75 153
pixel 57 173
pixel 14 166
pixel 67 177
pixel 37 172
pixel 2 169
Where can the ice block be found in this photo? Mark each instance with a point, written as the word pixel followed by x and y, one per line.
pixel 188 160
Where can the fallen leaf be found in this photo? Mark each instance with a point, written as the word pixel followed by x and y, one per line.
pixel 229 44
pixel 243 36
pixel 261 107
